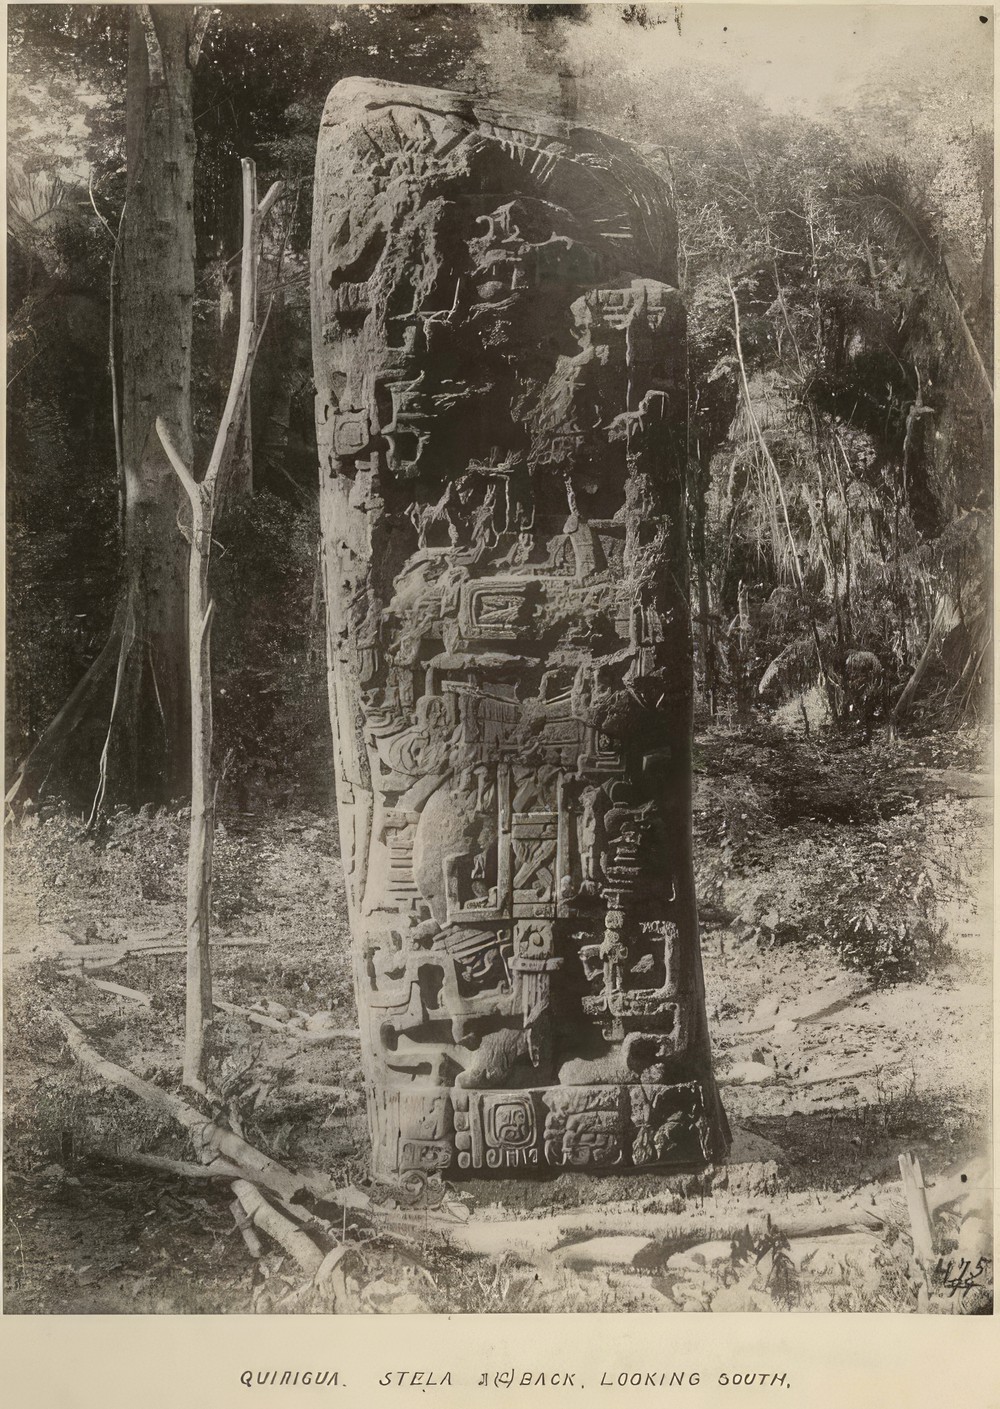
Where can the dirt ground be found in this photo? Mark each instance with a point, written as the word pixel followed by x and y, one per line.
pixel 845 898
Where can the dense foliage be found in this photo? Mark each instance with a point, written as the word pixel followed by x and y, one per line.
pixel 839 295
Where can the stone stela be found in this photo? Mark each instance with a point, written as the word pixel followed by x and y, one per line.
pixel 501 414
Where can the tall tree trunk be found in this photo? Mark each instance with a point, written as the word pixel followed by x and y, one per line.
pixel 157 289
pixel 146 757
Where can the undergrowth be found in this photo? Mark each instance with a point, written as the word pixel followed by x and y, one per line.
pixel 832 848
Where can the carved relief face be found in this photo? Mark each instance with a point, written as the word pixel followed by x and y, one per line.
pixel 454 314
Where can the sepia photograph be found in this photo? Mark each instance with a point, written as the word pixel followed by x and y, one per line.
pixel 499 662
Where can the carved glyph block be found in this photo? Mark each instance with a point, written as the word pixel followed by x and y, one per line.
pixel 501 414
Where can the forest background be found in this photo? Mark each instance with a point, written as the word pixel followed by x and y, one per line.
pixel 840 448
pixel 832 168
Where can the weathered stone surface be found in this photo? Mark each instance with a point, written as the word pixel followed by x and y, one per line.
pixel 501 414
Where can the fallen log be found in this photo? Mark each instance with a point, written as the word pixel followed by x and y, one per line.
pixel 155 949
pixel 82 967
pixel 259 1019
pixel 163 939
pixel 296 1034
pixel 847 1074
pixel 266 1217
pixel 120 1076
pixel 102 949
pixel 244 1223
pixel 95 957
pixel 257 1167
pixel 221 1170
pixel 332 1272
pixel 546 1236
pixel 771 1076
pixel 822 1003
pixel 182 1169
pixel 208 1136
pixel 109 948
pixel 291 1100
pixel 118 991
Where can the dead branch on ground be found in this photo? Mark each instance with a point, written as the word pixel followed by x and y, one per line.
pixel 208 1137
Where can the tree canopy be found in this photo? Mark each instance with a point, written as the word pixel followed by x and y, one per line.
pixel 838 276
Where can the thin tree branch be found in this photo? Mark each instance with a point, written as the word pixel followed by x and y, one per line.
pixel 203 498
pixel 252 1163
pixel 90 193
pixel 242 366
pixel 49 744
pixel 269 200
pixel 156 690
pixel 116 412
pixel 128 636
pixel 206 624
pixel 191 487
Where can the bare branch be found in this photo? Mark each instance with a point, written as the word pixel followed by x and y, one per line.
pixel 248 324
pixel 199 1003
pixel 277 286
pixel 191 488
pixel 90 193
pixel 208 1137
pixel 206 623
pixel 249 333
pixel 116 410
pixel 183 1169
pixel 47 747
pixel 269 199
pixel 128 636
pixel 274 1223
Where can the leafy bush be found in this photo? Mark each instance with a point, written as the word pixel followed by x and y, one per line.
pixel 272 723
